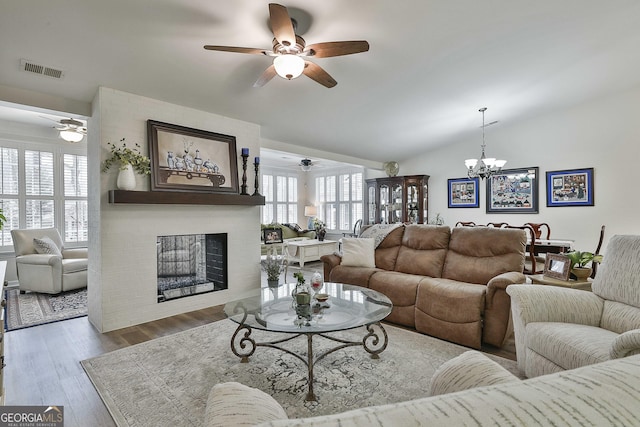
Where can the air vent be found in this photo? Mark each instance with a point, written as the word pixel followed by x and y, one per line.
pixel 32 67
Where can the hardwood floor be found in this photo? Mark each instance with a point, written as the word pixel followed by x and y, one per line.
pixel 43 362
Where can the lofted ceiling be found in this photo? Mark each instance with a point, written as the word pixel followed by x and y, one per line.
pixel 431 65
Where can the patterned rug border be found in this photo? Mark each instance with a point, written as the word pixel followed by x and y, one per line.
pixel 13 320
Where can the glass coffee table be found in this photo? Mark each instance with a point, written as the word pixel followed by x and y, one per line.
pixel 273 310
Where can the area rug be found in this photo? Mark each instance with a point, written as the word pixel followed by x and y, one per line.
pixel 31 309
pixel 166 381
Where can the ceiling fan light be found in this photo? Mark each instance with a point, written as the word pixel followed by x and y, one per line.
pixel 288 66
pixel 71 135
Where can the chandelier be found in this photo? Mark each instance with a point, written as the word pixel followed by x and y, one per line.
pixel 485 166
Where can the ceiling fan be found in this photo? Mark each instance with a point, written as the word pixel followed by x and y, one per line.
pixel 305 165
pixel 289 49
pixel 71 130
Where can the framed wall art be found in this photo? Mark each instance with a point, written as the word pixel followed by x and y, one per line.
pixel 572 187
pixel 513 191
pixel 557 266
pixel 186 159
pixel 463 192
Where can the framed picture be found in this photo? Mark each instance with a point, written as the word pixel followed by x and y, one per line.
pixel 570 187
pixel 272 235
pixel 513 191
pixel 186 159
pixel 463 192
pixel 557 266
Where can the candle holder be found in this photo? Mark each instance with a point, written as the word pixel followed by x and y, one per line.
pixel 243 187
pixel 256 166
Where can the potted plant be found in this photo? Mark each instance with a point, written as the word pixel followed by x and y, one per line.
pixel 130 159
pixel 579 261
pixel 272 265
pixel 301 292
pixel 320 228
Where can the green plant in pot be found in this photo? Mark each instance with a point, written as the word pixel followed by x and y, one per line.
pixel 301 293
pixel 272 265
pixel 579 261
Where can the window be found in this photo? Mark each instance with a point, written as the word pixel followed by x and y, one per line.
pixel 42 186
pixel 281 198
pixel 339 198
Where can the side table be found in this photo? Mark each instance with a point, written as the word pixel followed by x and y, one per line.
pixel 540 279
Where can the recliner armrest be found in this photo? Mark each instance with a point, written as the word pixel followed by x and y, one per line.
pixel 542 303
pixel 39 259
pixel 75 253
pixel 626 344
pixel 500 283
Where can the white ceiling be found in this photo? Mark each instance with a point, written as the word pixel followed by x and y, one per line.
pixel 432 63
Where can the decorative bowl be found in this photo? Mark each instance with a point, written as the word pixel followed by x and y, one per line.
pixel 322 297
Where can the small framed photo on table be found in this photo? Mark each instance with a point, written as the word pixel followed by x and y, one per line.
pixel 557 266
pixel 272 235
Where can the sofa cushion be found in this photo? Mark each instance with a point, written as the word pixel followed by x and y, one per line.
pixel 450 310
pixel 469 370
pixel 358 252
pixel 618 277
pixel 423 250
pixel 387 250
pixel 477 254
pixel 45 245
pixel 401 289
pixel 619 317
pixel 569 345
pixel 234 405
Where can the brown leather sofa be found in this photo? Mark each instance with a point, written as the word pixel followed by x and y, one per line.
pixel 445 283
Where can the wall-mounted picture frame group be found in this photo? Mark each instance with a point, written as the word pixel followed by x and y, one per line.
pixel 557 266
pixel 187 159
pixel 463 192
pixel 573 187
pixel 513 191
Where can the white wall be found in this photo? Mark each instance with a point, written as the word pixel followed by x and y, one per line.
pixel 122 264
pixel 603 134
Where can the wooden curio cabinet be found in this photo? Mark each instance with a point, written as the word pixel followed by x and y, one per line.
pixel 397 199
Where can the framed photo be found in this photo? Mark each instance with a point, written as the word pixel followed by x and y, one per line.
pixel 572 187
pixel 513 191
pixel 557 266
pixel 463 192
pixel 272 235
pixel 186 159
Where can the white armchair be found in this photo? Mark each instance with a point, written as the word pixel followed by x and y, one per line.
pixel 48 272
pixel 558 328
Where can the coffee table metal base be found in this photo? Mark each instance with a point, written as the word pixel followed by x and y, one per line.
pixel 374 343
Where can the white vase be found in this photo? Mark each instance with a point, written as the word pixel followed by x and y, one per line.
pixel 126 179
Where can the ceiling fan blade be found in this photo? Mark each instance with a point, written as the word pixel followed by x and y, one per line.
pixel 250 50
pixel 266 76
pixel 281 25
pixel 328 49
pixel 315 72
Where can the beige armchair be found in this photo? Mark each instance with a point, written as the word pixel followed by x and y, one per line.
pixel 48 272
pixel 559 328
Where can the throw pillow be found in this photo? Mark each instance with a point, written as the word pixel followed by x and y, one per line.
pixel 358 252
pixel 47 246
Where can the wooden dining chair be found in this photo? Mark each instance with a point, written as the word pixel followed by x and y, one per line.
pixel 538 228
pixel 594 265
pixel 498 224
pixel 531 265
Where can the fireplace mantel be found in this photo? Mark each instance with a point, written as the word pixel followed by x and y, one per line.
pixel 182 198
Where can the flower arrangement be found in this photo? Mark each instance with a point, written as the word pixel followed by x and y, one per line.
pixel 318 224
pixel 299 277
pixel 272 266
pixel 127 156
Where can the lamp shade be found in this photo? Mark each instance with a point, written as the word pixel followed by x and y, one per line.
pixel 310 211
pixel 288 66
